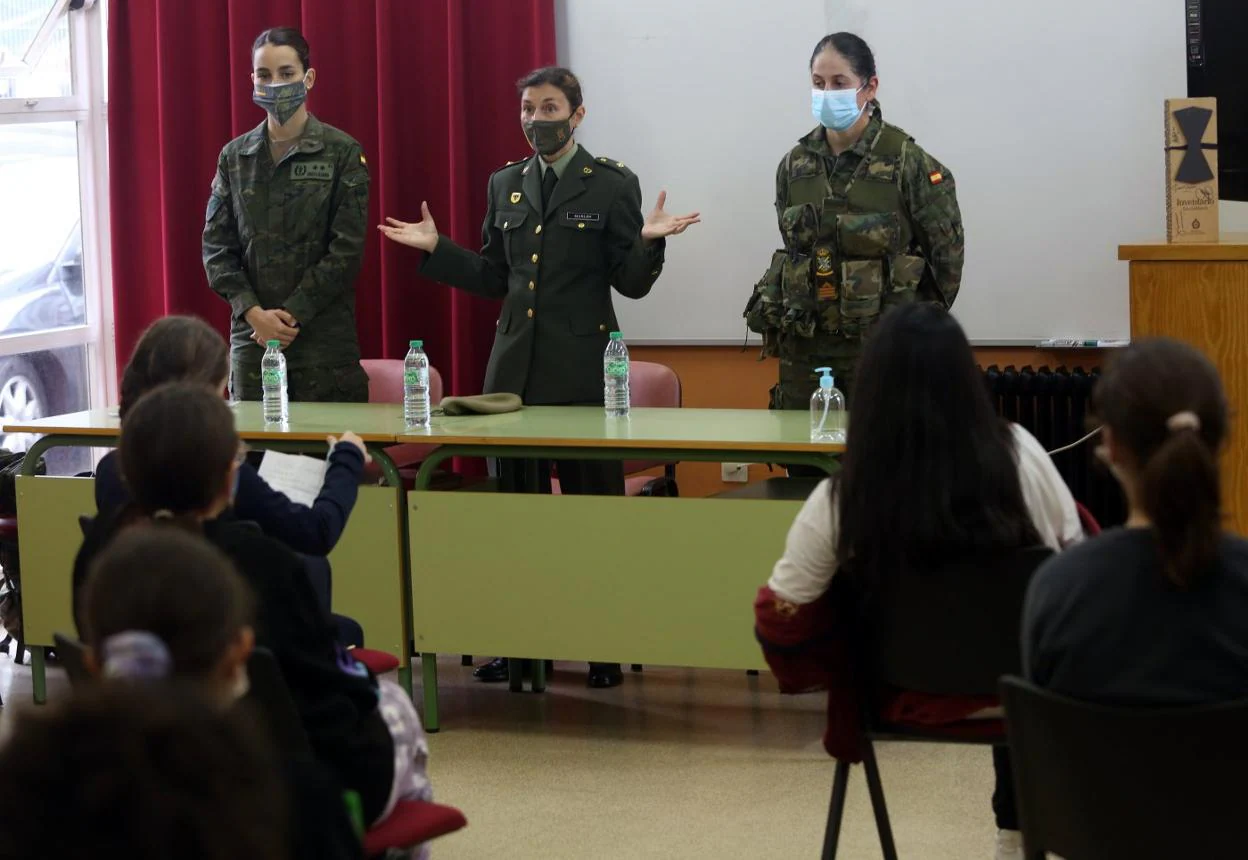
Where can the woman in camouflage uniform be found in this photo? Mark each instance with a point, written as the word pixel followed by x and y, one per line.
pixel 868 220
pixel 284 234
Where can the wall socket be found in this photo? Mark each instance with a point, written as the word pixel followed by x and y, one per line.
pixel 734 473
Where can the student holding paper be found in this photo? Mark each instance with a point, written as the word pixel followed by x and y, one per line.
pixel 187 349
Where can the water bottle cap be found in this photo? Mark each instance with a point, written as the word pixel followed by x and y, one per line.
pixel 615 335
pixel 273 344
pixel 825 381
pixel 416 344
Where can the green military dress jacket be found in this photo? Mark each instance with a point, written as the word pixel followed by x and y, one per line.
pixel 554 268
pixel 290 236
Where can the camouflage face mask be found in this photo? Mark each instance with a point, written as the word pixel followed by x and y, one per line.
pixel 281 100
pixel 548 136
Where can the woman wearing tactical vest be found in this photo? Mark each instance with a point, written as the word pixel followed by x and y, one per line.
pixel 868 219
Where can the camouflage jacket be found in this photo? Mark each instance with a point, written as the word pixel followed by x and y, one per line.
pixel 876 226
pixel 290 236
pixel 929 196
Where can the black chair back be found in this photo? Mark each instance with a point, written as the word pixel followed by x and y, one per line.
pixel 270 700
pixel 950 629
pixel 70 653
pixel 1103 783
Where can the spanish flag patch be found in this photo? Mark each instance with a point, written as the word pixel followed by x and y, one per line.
pixel 936 177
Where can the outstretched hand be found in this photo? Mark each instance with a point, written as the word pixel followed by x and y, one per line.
pixel 660 223
pixel 423 234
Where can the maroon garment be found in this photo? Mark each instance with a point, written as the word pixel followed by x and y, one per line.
pixel 809 649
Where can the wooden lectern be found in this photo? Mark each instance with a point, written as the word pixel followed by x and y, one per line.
pixel 1198 293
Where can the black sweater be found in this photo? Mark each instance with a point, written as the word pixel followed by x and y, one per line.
pixel 1101 623
pixel 312 531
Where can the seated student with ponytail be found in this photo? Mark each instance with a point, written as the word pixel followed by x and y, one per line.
pixel 162 603
pixel 1156 612
pixel 179 454
pixel 187 349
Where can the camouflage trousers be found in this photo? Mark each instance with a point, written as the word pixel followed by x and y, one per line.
pixel 798 379
pixel 334 384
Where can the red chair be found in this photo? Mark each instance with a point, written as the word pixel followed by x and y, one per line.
pixel 1091 528
pixel 412 823
pixel 385 385
pixel 378 662
pixel 650 385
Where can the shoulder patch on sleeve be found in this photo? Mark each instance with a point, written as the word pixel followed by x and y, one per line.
pixel 935 177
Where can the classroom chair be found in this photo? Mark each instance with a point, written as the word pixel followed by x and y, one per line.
pixel 953 630
pixel 411 823
pixel 1105 783
pixel 385 385
pixel 378 662
pixel 650 385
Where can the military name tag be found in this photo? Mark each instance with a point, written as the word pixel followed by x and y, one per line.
pixel 318 170
pixel 582 216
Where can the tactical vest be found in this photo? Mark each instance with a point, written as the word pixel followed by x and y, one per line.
pixel 850 247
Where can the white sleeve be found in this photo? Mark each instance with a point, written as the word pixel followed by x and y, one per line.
pixel 1046 495
pixel 805 570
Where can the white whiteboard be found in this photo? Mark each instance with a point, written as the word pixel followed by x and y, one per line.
pixel 1048 114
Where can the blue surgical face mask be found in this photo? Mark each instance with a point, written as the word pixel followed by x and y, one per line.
pixel 836 109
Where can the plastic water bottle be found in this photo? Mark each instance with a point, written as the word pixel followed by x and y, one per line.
pixel 416 386
pixel 273 380
pixel 615 377
pixel 827 410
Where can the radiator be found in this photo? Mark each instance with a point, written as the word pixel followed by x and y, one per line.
pixel 1053 406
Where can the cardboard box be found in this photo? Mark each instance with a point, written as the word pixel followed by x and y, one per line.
pixel 1192 170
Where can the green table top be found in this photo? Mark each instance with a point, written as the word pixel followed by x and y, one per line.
pixel 373 422
pixel 649 429
pixel 537 426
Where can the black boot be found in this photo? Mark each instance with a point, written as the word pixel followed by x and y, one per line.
pixel 492 672
pixel 604 675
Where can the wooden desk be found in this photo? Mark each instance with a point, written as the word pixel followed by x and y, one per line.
pixel 664 581
pixel 1198 293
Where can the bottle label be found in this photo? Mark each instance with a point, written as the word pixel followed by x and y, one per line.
pixel 271 377
pixel 617 368
pixel 414 377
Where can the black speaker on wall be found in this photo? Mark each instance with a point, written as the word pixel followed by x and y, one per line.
pixel 1217 65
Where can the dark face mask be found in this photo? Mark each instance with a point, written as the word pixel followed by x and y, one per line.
pixel 548 136
pixel 281 100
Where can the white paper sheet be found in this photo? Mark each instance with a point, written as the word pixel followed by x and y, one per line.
pixel 297 476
